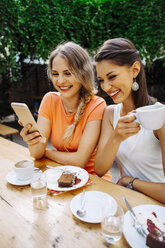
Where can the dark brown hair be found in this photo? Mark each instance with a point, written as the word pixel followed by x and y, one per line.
pixel 123 53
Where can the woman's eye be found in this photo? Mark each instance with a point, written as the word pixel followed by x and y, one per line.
pixel 67 73
pixel 112 77
pixel 54 74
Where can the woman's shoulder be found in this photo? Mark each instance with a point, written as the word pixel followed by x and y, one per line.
pixel 97 100
pixel 109 111
pixel 51 96
pixel 111 107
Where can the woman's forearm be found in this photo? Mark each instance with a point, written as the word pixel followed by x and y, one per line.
pixel 65 158
pixel 154 190
pixel 105 156
pixel 37 151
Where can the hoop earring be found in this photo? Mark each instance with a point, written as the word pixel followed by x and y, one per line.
pixel 135 86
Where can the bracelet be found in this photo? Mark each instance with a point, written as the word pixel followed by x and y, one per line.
pixel 130 184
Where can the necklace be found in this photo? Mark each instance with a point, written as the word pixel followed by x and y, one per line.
pixel 68 111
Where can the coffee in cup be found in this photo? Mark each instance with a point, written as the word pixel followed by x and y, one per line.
pixel 151 117
pixel 24 169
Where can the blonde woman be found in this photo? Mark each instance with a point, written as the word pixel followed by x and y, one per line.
pixel 72 116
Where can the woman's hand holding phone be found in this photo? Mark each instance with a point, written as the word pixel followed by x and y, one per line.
pixel 30 138
pixel 30 133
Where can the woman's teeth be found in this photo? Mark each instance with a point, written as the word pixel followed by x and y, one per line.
pixel 114 93
pixel 65 87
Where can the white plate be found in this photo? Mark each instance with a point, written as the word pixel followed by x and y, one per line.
pixel 134 239
pixel 53 175
pixel 11 178
pixel 94 202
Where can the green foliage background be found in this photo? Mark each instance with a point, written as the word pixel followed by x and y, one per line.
pixel 32 28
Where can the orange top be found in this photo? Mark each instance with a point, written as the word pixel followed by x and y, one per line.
pixel 52 108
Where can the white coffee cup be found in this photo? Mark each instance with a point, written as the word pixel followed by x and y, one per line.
pixel 24 169
pixel 151 117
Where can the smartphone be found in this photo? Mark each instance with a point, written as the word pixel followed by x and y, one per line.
pixel 25 116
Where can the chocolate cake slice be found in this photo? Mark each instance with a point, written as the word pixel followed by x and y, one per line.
pixel 156 239
pixel 66 180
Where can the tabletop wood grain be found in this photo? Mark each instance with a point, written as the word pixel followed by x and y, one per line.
pixel 23 226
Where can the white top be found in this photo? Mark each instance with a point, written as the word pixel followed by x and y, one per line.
pixel 140 155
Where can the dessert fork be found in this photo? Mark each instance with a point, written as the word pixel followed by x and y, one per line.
pixel 137 224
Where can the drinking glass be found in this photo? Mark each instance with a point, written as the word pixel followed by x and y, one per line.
pixel 39 192
pixel 112 223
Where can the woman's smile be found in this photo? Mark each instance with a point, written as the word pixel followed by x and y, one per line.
pixel 65 88
pixel 114 93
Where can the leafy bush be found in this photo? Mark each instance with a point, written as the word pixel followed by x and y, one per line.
pixel 32 28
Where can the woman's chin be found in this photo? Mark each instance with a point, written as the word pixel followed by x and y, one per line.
pixel 115 100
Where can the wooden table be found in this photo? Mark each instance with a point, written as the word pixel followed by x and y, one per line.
pixel 22 226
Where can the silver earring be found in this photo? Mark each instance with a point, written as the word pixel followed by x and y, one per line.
pixel 135 86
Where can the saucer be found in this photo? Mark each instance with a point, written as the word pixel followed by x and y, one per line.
pixel 12 179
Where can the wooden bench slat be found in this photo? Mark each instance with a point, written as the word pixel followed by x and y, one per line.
pixel 6 130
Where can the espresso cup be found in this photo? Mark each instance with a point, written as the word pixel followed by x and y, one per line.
pixel 151 117
pixel 24 169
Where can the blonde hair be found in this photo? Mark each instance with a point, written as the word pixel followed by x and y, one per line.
pixel 80 64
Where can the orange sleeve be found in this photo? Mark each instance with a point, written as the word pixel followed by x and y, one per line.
pixel 96 109
pixel 45 109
